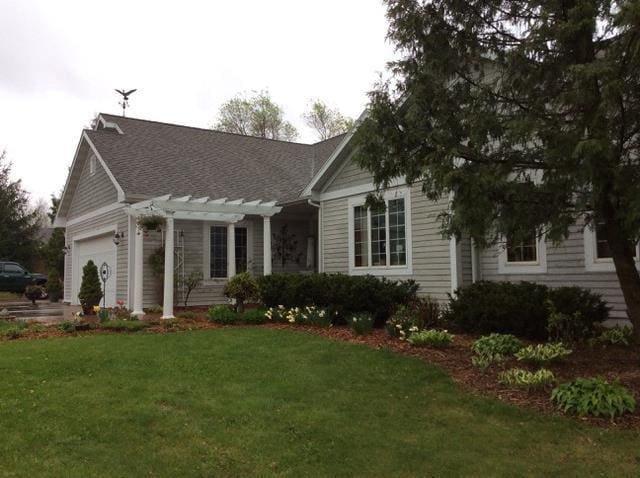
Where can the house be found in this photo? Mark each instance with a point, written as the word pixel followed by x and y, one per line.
pixel 232 203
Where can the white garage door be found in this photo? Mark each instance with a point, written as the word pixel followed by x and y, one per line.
pixel 99 250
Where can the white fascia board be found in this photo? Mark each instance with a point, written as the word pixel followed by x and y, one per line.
pixel 121 196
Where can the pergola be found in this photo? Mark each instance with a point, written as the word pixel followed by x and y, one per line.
pixel 196 209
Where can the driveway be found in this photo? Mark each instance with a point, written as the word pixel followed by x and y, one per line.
pixel 43 311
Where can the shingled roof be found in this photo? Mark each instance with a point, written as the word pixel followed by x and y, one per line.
pixel 149 158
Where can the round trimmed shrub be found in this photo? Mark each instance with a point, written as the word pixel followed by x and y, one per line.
pixel 90 288
pixel 241 287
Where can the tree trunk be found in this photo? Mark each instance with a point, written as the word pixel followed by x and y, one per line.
pixel 625 264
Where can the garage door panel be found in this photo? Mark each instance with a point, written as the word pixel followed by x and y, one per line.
pixel 99 250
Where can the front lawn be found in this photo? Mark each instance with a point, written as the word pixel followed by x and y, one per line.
pixel 259 401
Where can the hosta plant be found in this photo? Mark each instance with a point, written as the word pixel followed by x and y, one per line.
pixel 543 353
pixel 486 360
pixel 593 396
pixel 617 336
pixel 500 344
pixel 517 377
pixel 432 337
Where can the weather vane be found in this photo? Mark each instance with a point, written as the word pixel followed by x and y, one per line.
pixel 125 99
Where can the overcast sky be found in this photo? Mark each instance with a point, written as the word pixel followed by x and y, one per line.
pixel 60 61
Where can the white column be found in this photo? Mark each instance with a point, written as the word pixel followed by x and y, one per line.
pixel 167 304
pixel 266 240
pixel 231 250
pixel 138 271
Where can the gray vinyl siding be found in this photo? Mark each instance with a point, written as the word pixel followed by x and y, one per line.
pixel 565 267
pixel 93 191
pixel 348 176
pixel 465 261
pixel 118 218
pixel 431 261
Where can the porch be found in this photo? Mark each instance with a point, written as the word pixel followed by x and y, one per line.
pixel 218 238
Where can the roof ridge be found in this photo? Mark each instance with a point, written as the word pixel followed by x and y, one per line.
pixel 211 130
pixel 328 139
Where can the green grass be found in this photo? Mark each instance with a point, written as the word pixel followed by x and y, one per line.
pixel 255 401
pixel 10 297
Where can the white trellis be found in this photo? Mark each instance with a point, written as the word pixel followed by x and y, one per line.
pixel 202 209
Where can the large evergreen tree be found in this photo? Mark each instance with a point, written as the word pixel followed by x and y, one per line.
pixel 53 250
pixel 528 111
pixel 18 222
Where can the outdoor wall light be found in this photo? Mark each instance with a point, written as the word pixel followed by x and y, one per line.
pixel 117 237
pixel 67 249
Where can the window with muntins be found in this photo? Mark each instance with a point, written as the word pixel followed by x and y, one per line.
pixel 379 236
pixel 524 251
pixel 218 253
pixel 602 246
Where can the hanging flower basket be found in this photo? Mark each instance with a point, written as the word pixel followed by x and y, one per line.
pixel 151 222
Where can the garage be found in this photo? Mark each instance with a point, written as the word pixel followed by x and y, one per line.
pixel 100 250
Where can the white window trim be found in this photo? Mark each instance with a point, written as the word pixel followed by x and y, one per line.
pixel 532 267
pixel 206 249
pixel 591 261
pixel 401 192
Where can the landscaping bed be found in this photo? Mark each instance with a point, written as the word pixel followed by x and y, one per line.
pixel 611 362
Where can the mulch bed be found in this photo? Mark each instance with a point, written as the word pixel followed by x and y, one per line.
pixel 614 363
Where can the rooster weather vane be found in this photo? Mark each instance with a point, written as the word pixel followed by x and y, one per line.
pixel 125 99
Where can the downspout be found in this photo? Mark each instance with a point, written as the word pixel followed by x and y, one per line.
pixel 317 205
pixel 474 262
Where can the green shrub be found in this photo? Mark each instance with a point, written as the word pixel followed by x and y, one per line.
pixel 34 292
pixel 432 337
pixel 124 325
pixel 253 316
pixel 90 288
pixel 517 377
pixel 500 344
pixel 68 326
pixel 187 315
pixel 543 353
pixel 522 308
pixel 427 310
pixel 155 309
pixel 222 314
pixel 340 294
pixel 362 323
pixel 617 336
pixel 404 322
pixel 242 288
pixel 54 285
pixel 14 332
pixel 593 396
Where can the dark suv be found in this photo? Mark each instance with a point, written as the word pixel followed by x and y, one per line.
pixel 15 278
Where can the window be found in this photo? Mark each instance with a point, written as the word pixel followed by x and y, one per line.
pixel 92 164
pixel 218 251
pixel 524 251
pixel 13 269
pixel 378 239
pixel 602 246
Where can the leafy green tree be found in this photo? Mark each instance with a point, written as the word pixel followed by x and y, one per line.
pixel 327 122
pixel 256 115
pixel 18 221
pixel 529 112
pixel 90 288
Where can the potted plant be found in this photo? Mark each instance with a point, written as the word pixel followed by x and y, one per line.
pixel 151 222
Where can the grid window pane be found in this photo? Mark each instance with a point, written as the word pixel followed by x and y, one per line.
pixel 397 234
pixel 378 238
pixel 218 253
pixel 241 249
pixel 360 237
pixel 602 246
pixel 525 251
